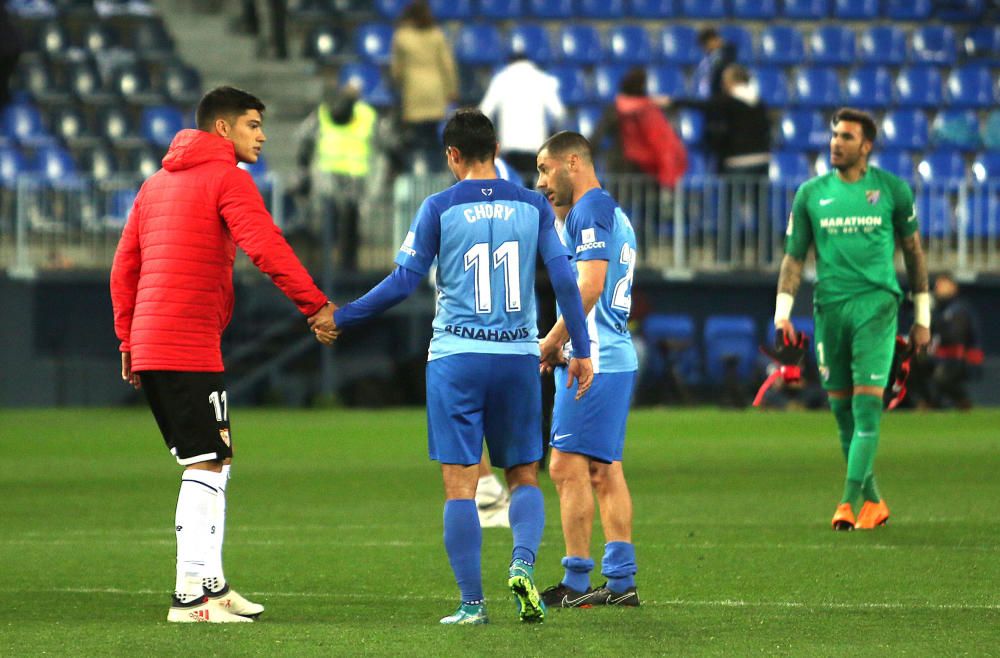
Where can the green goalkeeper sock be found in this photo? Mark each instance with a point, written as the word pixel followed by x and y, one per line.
pixel 844 413
pixel 864 444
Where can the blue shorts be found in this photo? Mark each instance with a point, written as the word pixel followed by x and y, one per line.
pixel 498 396
pixel 595 424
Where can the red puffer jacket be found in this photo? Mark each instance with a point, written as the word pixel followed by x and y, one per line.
pixel 172 278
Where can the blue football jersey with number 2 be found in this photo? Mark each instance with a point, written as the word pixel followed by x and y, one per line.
pixel 597 229
pixel 486 235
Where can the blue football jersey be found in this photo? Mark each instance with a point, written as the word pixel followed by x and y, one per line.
pixel 486 235
pixel 597 229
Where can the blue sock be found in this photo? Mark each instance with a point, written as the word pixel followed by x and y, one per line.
pixel 577 576
pixel 463 539
pixel 619 565
pixel 527 520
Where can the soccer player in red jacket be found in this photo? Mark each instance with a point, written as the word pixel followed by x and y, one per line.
pixel 172 293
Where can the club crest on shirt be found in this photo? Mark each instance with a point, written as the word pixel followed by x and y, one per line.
pixel 872 196
pixel 224 435
pixel 487 191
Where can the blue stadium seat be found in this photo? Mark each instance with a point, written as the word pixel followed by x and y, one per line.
pixel 959 11
pixel 159 124
pixel 986 167
pixel 982 42
pixel 117 126
pixel 703 9
pixel 653 8
pixel 905 128
pixel 532 40
pixel 12 165
pixel 856 10
pixel 679 44
pixel 970 86
pixel 741 38
pixel 919 86
pixel 500 10
pixel 580 44
pixel 697 164
pixel 391 9
pixel 883 45
pixel 934 44
pixel 452 10
pixel 629 44
pixel 772 83
pixel 690 127
pixel 983 210
pixel 478 45
pixel 182 84
pixel 907 10
pixel 803 129
pixel 607 80
pixel 327 43
pixel 991 131
pixel 671 341
pixel 941 174
pixel 895 161
pixel 758 10
pixel 790 167
pixel 552 9
pixel 22 123
pixel 781 44
pixel 956 128
pixel 869 87
pixel 666 80
pixel 56 166
pixel 70 125
pixel 586 118
pixel 374 89
pixel 817 87
pixel 120 206
pixel 86 83
pixel 942 166
pixel 133 83
pixel 605 10
pixel 808 10
pixel 832 44
pixel 573 85
pixel 730 346
pixel 372 41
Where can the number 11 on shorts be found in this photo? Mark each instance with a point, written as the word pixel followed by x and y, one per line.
pixel 218 401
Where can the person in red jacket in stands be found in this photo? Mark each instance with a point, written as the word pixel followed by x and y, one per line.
pixel 172 294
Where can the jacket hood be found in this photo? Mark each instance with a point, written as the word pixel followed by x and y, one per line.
pixel 627 104
pixel 191 148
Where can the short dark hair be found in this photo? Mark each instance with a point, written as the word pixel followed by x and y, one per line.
pixel 472 133
pixel 225 102
pixel 868 127
pixel 566 142
pixel 418 14
pixel 634 82
pixel 707 34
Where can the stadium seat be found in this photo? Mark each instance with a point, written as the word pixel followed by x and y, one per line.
pixel 56 167
pixel 807 10
pixel 12 165
pixel 653 9
pixel 970 86
pixel 326 43
pixel 666 80
pixel 87 85
pixel 119 206
pixel 803 129
pixel 532 40
pixel 374 88
pixel 142 160
pixel 671 341
pixel 586 119
pixel 905 128
pixel 150 40
pixel 501 10
pixel 942 166
pixel 730 346
pixel 907 10
pixel 478 45
pixel 982 42
pixel 697 164
pixel 919 86
pixel 991 131
pixel 607 80
pixel 159 124
pixel 372 41
pixel 604 10
pixel 856 10
pixel 832 44
pixel 941 174
pixel 70 125
pixel 552 9
pixel 869 87
pixel 22 123
pixel 97 162
pixel 790 167
pixel 132 82
pixel 956 128
pixel 35 77
pixel 98 37
pixel 690 127
pixel 703 9
pixel 895 161
pixel 781 44
pixel 679 44
pixel 452 10
pixel 758 10
pixel 580 44
pixel 817 87
pixel 741 38
pixel 959 11
pixel 53 39
pixel 772 83
pixel 882 45
pixel 934 44
pixel 182 84
pixel 116 125
pixel 573 86
pixel 629 44
pixel 986 167
pixel 391 9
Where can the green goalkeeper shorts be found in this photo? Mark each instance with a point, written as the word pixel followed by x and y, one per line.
pixel 855 340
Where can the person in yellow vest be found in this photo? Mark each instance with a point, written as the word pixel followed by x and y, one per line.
pixel 334 156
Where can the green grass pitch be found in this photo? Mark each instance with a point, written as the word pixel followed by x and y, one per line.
pixel 335 525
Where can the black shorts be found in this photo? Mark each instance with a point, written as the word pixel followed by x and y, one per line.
pixel 191 410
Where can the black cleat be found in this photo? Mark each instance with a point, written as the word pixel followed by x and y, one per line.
pixel 604 596
pixel 561 596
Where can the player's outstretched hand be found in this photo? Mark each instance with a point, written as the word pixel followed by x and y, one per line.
pixel 920 337
pixel 323 325
pixel 127 374
pixel 582 370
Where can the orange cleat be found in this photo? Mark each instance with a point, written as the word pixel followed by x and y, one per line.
pixel 872 515
pixel 843 518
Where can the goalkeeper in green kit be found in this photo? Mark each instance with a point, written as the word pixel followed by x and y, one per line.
pixel 854 215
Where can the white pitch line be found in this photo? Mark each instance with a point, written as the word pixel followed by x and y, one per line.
pixel 720 603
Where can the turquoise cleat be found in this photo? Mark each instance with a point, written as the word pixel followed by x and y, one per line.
pixel 468 613
pixel 521 581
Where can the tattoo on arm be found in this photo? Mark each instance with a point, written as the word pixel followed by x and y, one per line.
pixel 790 276
pixel 916 263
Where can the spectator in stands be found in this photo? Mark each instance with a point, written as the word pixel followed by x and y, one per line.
pixel 10 51
pixel 277 11
pixel 423 68
pixel 524 103
pixel 940 379
pixel 718 55
pixel 334 156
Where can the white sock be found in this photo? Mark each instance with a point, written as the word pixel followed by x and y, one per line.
pixel 489 491
pixel 194 519
pixel 213 578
